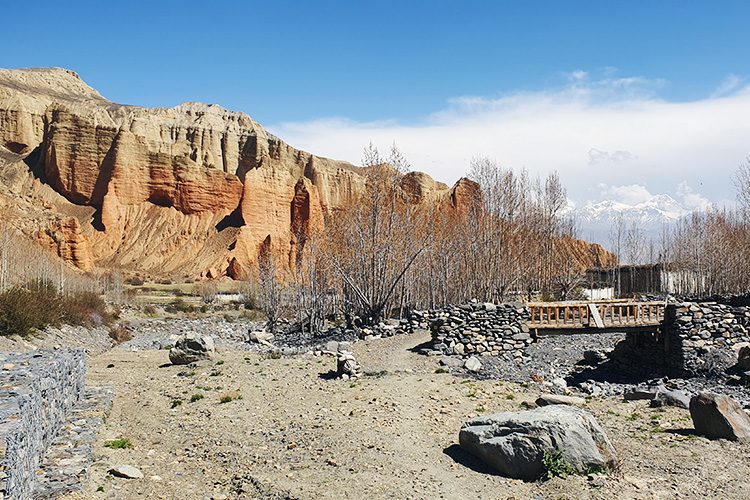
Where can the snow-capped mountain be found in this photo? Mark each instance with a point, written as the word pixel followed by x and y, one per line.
pixel 598 221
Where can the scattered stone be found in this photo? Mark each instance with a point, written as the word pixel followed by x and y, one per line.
pixel 8 366
pixel 717 416
pixel 473 364
pixel 677 398
pixel 261 337
pixel 554 399
pixel 514 443
pixel 191 348
pixel 126 471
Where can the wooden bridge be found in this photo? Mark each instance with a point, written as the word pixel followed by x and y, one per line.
pixel 593 317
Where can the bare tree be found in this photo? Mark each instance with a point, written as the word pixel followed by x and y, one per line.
pixel 373 242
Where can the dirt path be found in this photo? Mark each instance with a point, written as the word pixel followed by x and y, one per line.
pixel 392 434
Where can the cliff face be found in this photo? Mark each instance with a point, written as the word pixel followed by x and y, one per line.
pixel 182 189
pixel 188 190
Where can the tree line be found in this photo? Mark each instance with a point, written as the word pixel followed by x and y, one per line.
pixel 392 250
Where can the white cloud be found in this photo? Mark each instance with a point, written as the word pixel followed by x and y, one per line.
pixel 633 194
pixel 597 157
pixel 731 83
pixel 690 199
pixel 700 142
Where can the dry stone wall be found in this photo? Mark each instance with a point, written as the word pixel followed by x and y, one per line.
pixel 477 328
pixel 39 389
pixel 696 338
pixel 699 332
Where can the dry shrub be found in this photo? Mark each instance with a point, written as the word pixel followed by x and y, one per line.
pixel 26 309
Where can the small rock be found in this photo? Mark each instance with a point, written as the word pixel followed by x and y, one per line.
pixel 560 382
pixel 743 358
pixel 8 366
pixel 451 362
pixel 554 399
pixel 261 337
pixel 126 471
pixel 473 364
pixel 190 348
pixel 594 357
pixel 635 395
pixel 679 399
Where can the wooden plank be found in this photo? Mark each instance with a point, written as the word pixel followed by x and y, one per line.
pixel 594 314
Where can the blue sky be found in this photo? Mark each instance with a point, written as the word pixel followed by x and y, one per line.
pixel 611 94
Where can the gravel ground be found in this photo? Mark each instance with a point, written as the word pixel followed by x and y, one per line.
pixel 297 433
pixel 290 430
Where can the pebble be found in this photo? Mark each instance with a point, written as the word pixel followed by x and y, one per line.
pixel 126 471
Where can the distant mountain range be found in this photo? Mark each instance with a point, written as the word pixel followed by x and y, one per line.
pixel 597 222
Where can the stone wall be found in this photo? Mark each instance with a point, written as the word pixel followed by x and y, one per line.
pixel 477 328
pixel 701 334
pixel 39 388
pixel 695 339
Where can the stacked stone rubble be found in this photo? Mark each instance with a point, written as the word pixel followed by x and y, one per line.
pixel 477 328
pixel 417 320
pixel 39 388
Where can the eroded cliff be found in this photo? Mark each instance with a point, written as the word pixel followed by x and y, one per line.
pixel 190 190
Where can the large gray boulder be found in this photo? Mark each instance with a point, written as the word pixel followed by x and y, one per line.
pixel 190 348
pixel 514 443
pixel 717 416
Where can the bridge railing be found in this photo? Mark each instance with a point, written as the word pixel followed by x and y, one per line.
pixel 554 315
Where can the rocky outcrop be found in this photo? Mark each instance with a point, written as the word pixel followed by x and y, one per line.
pixel 66 239
pixel 214 182
pixel 586 255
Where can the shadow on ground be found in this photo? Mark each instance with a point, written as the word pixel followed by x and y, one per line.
pixel 468 460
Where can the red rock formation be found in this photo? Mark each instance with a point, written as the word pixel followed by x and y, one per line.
pixel 587 255
pixel 193 189
pixel 66 239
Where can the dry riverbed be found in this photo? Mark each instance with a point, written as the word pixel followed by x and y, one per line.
pixel 286 430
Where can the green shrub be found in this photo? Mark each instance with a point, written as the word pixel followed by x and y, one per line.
pixel 37 305
pixel 554 464
pixel 119 444
pixel 24 310
pixel 176 403
pixel 196 397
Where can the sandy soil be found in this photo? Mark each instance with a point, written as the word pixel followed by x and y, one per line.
pixel 297 433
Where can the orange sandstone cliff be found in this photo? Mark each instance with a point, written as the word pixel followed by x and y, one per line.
pixel 163 190
pixel 190 190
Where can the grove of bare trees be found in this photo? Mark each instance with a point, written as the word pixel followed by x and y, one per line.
pixel 509 237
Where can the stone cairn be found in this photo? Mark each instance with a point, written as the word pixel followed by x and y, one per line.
pixel 346 365
pixel 480 328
